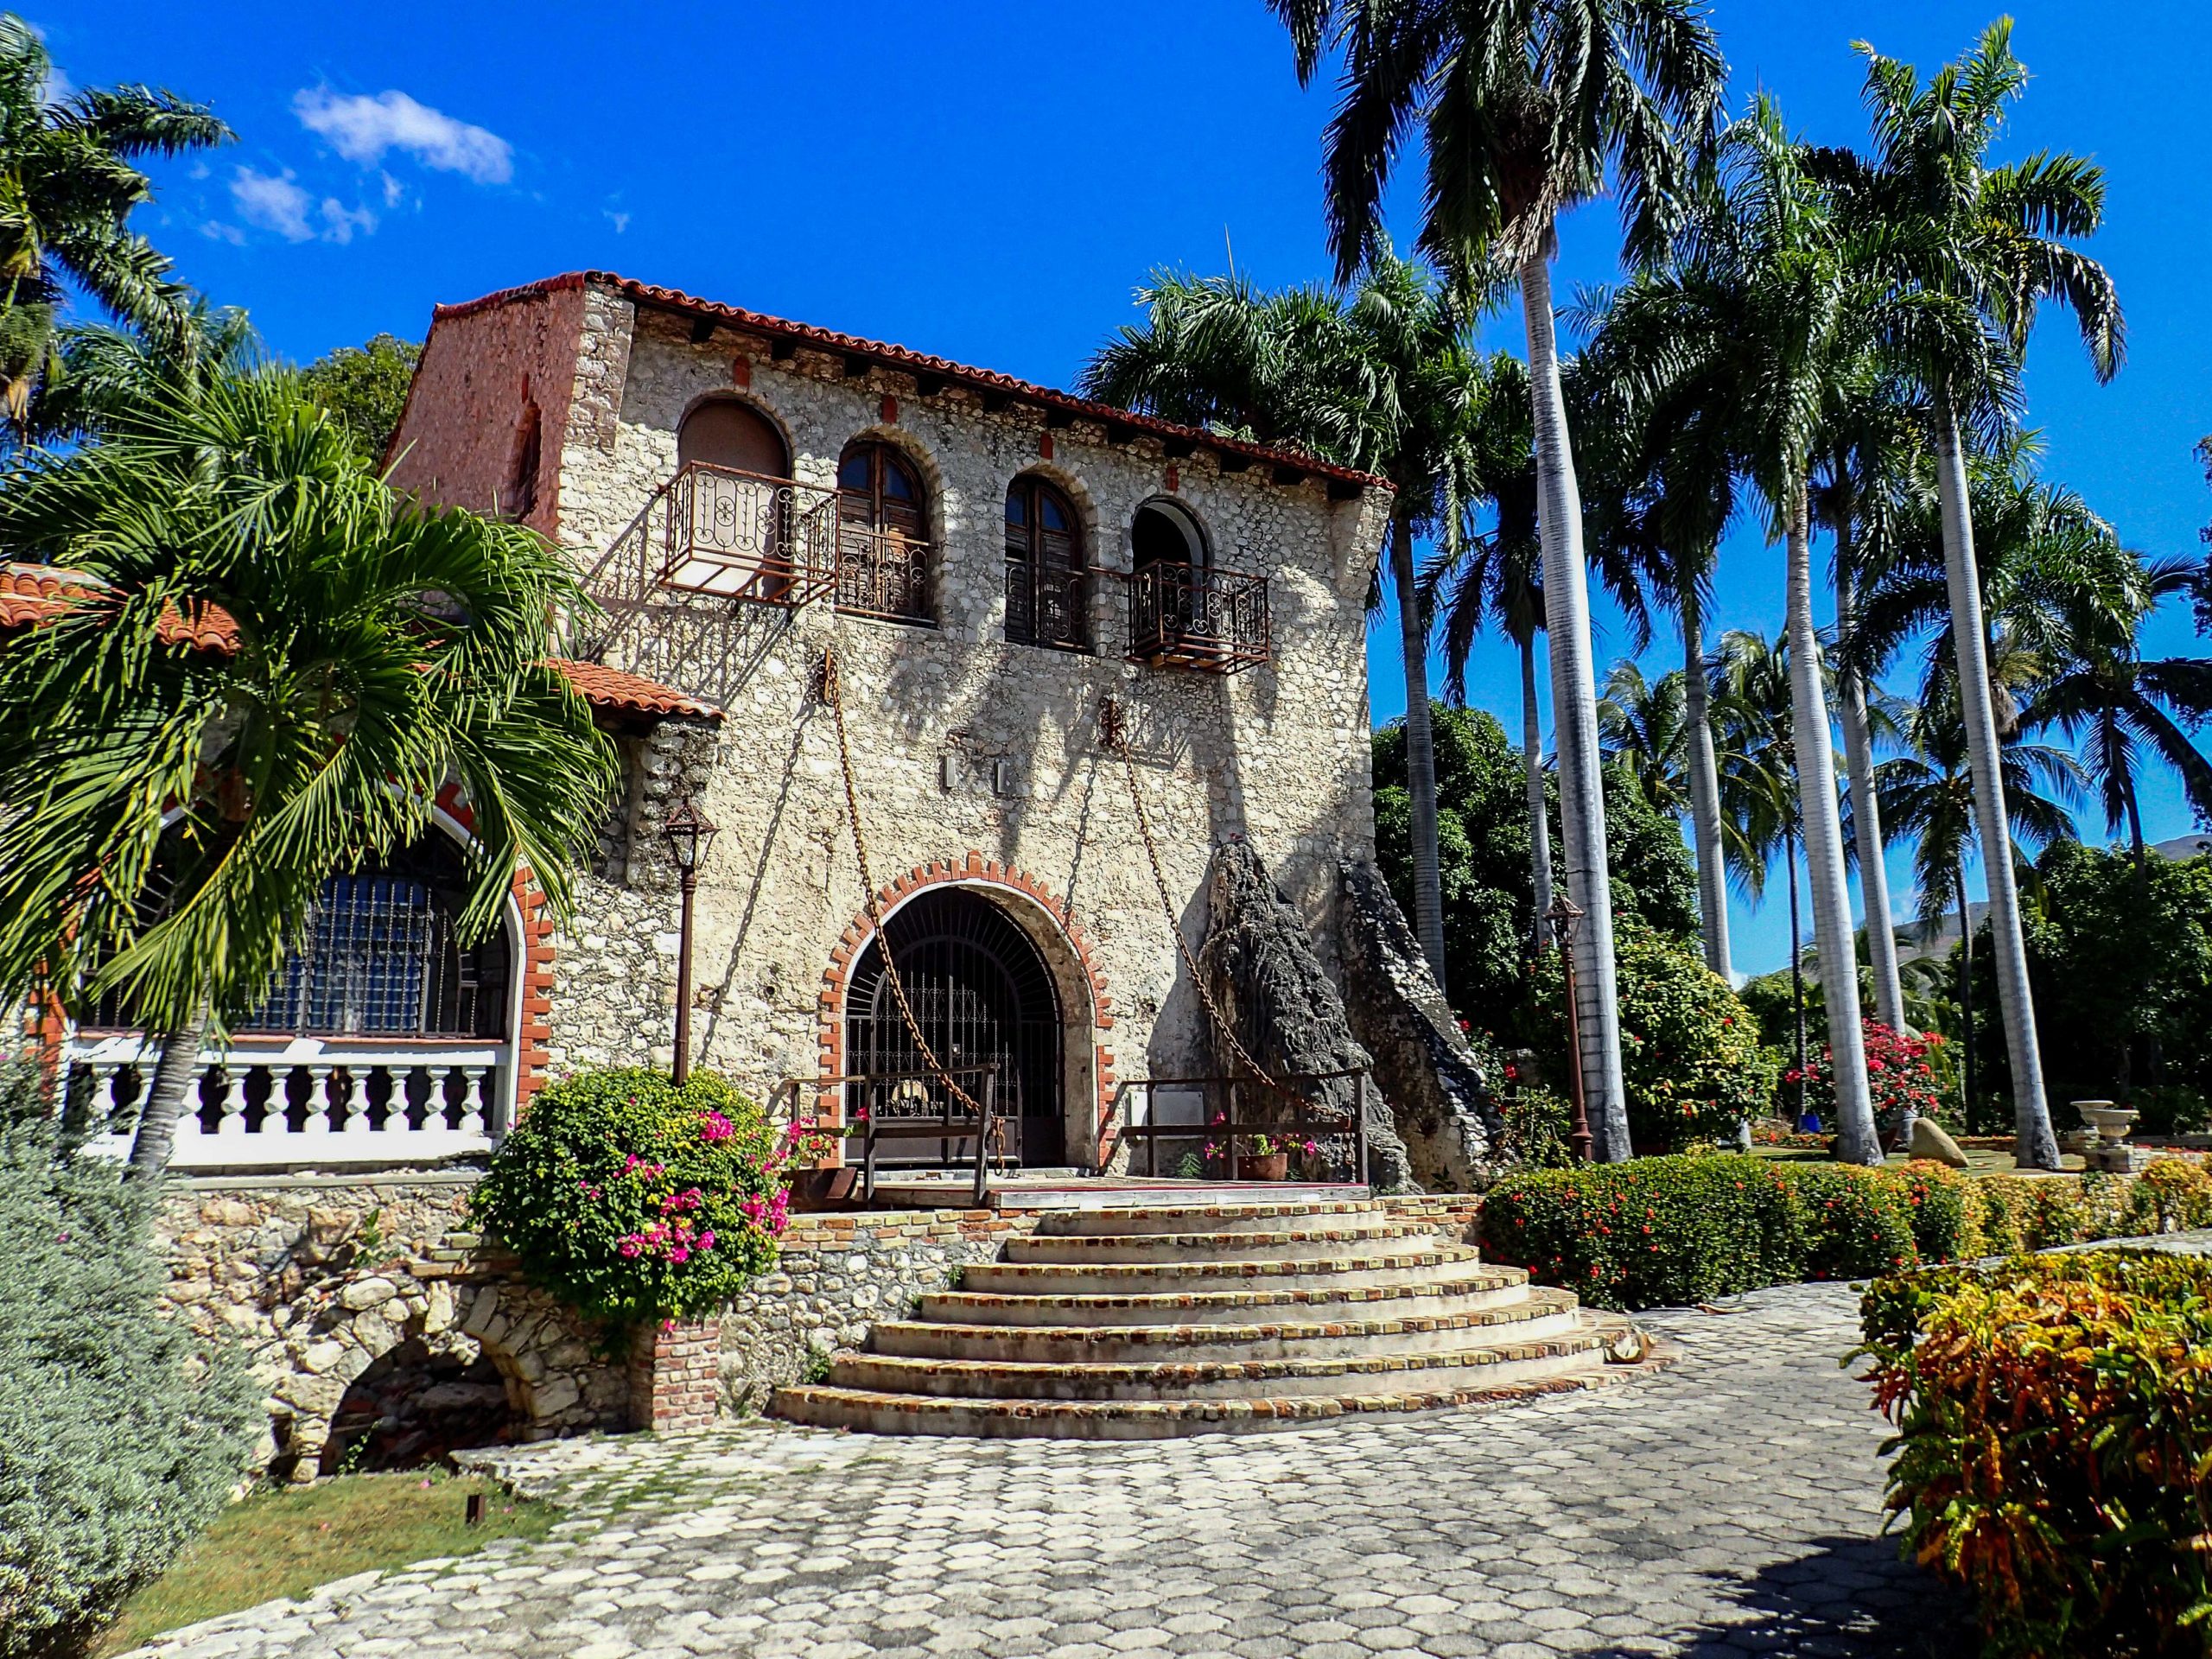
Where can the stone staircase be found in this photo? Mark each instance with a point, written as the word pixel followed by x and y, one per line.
pixel 1147 1323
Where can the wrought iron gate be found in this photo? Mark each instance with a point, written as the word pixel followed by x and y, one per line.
pixel 981 994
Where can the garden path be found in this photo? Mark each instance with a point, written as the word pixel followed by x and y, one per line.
pixel 1731 1505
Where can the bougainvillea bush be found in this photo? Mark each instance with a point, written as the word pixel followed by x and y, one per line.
pixel 632 1198
pixel 2053 1445
pixel 1690 1053
pixel 1899 1077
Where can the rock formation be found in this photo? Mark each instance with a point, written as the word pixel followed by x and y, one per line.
pixel 1259 966
pixel 1440 1101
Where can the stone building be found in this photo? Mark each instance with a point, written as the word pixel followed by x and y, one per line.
pixel 1076 652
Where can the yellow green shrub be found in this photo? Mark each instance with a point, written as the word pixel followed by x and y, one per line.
pixel 2054 1445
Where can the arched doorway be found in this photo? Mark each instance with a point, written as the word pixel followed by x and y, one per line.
pixel 982 993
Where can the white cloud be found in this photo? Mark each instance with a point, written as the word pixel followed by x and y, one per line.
pixel 276 202
pixel 363 129
pixel 215 230
pixel 621 221
pixel 393 191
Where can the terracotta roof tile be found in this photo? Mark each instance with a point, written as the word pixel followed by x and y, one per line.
pixel 34 594
pixel 914 362
pixel 611 688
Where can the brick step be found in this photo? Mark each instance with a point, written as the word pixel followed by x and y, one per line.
pixel 1514 1359
pixel 1086 1279
pixel 882 1412
pixel 1532 1312
pixel 1451 1290
pixel 1206 1217
pixel 1281 1243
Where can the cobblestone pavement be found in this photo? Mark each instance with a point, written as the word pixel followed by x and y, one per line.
pixel 1729 1506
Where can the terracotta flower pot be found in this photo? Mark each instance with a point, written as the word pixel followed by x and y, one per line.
pixel 1275 1166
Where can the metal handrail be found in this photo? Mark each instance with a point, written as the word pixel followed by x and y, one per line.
pixel 1198 617
pixel 1307 1116
pixel 945 1125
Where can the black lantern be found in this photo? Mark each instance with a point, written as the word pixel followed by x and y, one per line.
pixel 1563 915
pixel 688 833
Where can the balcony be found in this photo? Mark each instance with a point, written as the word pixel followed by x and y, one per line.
pixel 1187 616
pixel 732 535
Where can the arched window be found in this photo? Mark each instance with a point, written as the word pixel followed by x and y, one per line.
pixel 882 534
pixel 733 504
pixel 1047 597
pixel 381 957
pixel 522 470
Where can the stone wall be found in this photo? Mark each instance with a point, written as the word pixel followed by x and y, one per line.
pixel 838 1276
pixel 319 1278
pixel 974 756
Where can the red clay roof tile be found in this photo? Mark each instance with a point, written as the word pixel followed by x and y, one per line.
pixel 915 362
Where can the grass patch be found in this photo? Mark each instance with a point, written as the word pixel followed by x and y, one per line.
pixel 284 1543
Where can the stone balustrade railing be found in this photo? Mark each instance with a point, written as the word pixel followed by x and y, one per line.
pixel 302 1102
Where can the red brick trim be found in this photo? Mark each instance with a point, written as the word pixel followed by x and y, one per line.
pixel 533 1037
pixel 675 1374
pixel 973 871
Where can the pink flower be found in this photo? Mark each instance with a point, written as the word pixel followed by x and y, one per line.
pixel 713 1126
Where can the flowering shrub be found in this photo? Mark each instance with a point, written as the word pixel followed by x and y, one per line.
pixel 632 1198
pixel 1899 1076
pixel 2054 1448
pixel 1690 1053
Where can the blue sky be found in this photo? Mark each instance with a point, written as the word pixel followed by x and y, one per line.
pixel 989 181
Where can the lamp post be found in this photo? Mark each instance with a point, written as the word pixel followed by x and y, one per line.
pixel 1562 916
pixel 688 833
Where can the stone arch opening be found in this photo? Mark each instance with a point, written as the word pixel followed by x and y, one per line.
pixel 727 431
pixel 1047 575
pixel 418 1401
pixel 1165 532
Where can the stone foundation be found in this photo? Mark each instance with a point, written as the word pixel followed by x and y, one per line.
pixel 321 1279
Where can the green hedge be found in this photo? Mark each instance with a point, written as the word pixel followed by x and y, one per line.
pixel 1664 1231
pixel 2053 1445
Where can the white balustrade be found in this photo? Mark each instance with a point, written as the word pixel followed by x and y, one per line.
pixel 353 1099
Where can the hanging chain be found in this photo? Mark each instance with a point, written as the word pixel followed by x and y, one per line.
pixel 1117 737
pixel 833 694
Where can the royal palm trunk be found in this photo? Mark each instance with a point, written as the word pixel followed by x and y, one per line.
pixel 1420 749
pixel 2035 1144
pixel 1574 722
pixel 1532 766
pixel 1822 827
pixel 1705 794
pixel 1865 812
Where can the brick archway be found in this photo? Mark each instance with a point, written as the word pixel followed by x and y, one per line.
pixel 532 1036
pixel 1024 895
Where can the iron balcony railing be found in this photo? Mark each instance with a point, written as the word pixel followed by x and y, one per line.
pixel 882 572
pixel 1184 616
pixel 1048 606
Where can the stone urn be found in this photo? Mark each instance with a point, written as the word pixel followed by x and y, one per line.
pixel 1274 1167
pixel 2111 1122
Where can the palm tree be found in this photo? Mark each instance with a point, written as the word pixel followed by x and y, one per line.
pixel 1751 698
pixel 67 185
pixel 1382 377
pixel 1975 248
pixel 1872 445
pixel 274 667
pixel 2103 693
pixel 1644 728
pixel 1928 796
pixel 1523 106
pixel 1764 299
pixel 1497 575
pixel 1666 495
